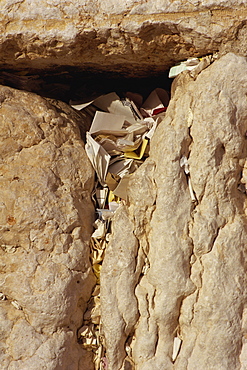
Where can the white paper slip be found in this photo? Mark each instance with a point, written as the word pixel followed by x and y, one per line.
pixel 111 103
pixel 176 348
pixel 106 122
pixel 98 157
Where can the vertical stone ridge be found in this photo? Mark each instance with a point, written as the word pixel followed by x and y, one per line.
pixel 46 222
pixel 192 283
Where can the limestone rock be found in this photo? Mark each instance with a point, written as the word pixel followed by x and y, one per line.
pixel 129 37
pixel 176 268
pixel 46 222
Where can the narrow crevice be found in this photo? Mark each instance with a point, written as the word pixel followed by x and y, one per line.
pixel 68 83
pixel 106 198
pixel 71 85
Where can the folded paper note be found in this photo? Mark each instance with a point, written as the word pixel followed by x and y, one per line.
pixel 135 111
pixel 112 180
pixel 115 145
pixel 80 106
pixel 101 195
pixel 113 206
pixel 100 229
pixel 106 122
pixel 158 99
pixel 121 167
pixel 135 97
pixel 188 64
pixel 176 348
pixel 138 154
pixel 98 157
pixel 121 189
pixel 149 134
pixel 111 103
pixel 105 214
pixel 137 128
pixel 185 165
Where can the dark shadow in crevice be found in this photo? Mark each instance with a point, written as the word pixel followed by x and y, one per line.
pixel 219 154
pixel 69 83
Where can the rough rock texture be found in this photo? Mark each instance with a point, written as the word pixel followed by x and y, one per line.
pixel 173 268
pixel 178 268
pixel 45 221
pixel 115 35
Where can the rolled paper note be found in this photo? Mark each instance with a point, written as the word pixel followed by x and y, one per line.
pixel 192 195
pixel 176 348
pixel 184 163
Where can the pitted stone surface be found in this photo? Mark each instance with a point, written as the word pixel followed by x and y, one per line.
pixel 130 37
pixel 194 283
pixel 46 221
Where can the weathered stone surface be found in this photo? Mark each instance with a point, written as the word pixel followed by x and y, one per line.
pixel 45 221
pixel 177 268
pixel 117 36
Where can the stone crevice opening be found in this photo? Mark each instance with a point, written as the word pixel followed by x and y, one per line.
pixel 116 199
pixel 70 83
pixel 60 89
pixel 116 150
pixel 130 96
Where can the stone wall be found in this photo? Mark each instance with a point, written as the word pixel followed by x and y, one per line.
pixel 175 268
pixel 46 222
pixel 129 37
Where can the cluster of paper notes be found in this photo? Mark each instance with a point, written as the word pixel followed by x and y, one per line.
pixel 90 335
pixel 193 65
pixel 118 139
pixel 187 65
pixel 117 143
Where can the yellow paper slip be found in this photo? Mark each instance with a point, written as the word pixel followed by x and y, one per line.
pixel 113 198
pixel 138 154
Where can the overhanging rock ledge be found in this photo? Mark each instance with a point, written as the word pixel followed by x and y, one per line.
pixel 174 270
pixel 131 37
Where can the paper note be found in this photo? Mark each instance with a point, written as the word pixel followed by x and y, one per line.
pixel 111 103
pixel 176 348
pixel 135 97
pixel 106 122
pixel 121 167
pixel 138 154
pixel 121 189
pixel 98 157
pixel 113 206
pixel 105 214
pixel 188 64
pixel 158 98
pixel 101 195
pixel 112 180
pixel 100 229
pixel 116 145
pixel 80 106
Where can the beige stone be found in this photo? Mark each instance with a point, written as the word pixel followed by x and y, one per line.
pixel 46 222
pixel 117 36
pixel 193 284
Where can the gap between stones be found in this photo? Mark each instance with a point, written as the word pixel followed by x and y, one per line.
pixel 132 97
pixel 123 146
pixel 143 113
